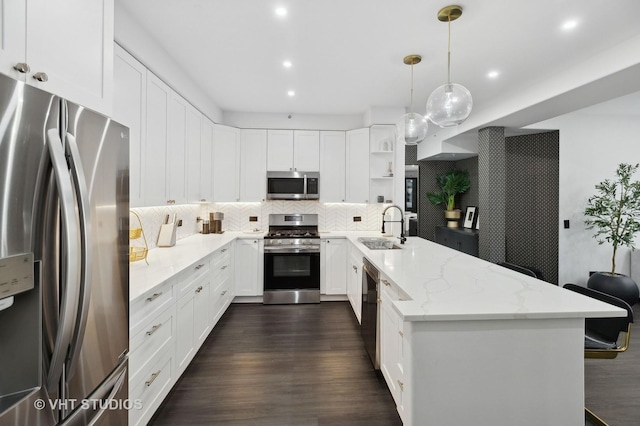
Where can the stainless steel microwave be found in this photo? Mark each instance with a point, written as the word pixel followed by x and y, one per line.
pixel 293 185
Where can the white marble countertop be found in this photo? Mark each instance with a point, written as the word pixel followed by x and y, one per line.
pixel 444 284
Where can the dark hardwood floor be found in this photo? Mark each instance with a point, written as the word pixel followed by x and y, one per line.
pixel 306 365
pixel 281 365
pixel 612 386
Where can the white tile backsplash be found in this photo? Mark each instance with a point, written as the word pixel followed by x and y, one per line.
pixel 331 217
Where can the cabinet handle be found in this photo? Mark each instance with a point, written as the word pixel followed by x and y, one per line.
pixel 379 300
pixel 199 289
pixel 355 268
pixel 401 385
pixel 223 250
pixel 22 68
pixel 154 297
pixel 400 333
pixel 154 376
pixel 199 266
pixel 154 329
pixel 385 282
pixel 171 201
pixel 223 293
pixel 224 267
pixel 203 200
pixel 41 76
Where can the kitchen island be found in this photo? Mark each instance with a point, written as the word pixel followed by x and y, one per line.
pixel 477 343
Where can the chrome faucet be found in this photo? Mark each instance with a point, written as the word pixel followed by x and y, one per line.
pixel 402 237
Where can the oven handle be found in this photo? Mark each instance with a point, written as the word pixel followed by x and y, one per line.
pixel 290 249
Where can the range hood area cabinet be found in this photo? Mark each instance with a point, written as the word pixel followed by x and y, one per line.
pixel 293 150
pixel 39 37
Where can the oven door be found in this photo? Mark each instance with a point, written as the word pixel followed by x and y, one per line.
pixel 291 277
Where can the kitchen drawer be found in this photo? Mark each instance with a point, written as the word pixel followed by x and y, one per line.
pixel 221 298
pixel 190 278
pixel 150 304
pixel 388 288
pixel 150 387
pixel 221 263
pixel 157 336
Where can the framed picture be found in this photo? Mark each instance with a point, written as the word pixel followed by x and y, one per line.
pixel 470 217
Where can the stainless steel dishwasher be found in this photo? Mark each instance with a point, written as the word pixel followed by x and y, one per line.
pixel 370 319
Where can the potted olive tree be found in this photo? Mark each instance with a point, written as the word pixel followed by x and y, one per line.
pixel 614 212
pixel 452 183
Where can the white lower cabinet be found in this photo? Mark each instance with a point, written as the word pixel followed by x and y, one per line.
pixel 222 273
pixel 354 281
pixel 333 268
pixel 392 342
pixel 249 267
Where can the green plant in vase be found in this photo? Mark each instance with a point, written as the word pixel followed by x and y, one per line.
pixel 614 212
pixel 452 183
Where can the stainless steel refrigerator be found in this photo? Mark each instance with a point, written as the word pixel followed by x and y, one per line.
pixel 64 276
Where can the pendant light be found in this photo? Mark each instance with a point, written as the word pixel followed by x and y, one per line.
pixel 415 125
pixel 450 104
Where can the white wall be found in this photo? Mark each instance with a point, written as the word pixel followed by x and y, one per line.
pixel 130 36
pixel 251 120
pixel 592 144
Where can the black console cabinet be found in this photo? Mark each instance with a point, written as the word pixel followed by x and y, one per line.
pixel 461 239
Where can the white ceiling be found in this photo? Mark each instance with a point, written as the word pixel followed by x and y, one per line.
pixel 347 54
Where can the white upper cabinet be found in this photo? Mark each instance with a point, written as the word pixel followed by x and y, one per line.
pixel 155 152
pixel 66 49
pixel 253 164
pixel 129 106
pixel 332 166
pixel 206 160
pixel 357 181
pixel 226 163
pixel 293 150
pixel 306 150
pixel 194 152
pixel 176 149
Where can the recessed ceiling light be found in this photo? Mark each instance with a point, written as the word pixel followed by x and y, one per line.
pixel 291 93
pixel 493 74
pixel 287 64
pixel 281 11
pixel 569 25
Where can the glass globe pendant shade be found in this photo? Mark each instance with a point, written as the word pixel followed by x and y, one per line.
pixel 415 128
pixel 449 105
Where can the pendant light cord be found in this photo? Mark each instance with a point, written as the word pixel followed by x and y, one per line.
pixel 449 52
pixel 411 88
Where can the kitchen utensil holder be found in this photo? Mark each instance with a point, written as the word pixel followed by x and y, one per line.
pixel 137 252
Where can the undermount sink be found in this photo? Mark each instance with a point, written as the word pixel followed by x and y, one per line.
pixel 373 243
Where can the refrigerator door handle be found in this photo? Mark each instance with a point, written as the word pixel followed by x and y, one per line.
pixel 69 271
pixel 82 197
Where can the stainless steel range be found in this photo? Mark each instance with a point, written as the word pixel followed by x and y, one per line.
pixel 292 259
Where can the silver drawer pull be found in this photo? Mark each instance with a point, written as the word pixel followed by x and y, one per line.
pixel 401 385
pixel 22 68
pixel 154 329
pixel 154 376
pixel 385 282
pixel 154 297
pixel 199 266
pixel 41 77
pixel 400 333
pixel 199 289
pixel 223 250
pixel 355 268
pixel 224 267
pixel 223 293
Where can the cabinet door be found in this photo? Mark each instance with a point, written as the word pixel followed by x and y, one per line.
pixel 206 160
pixel 306 150
pixel 155 150
pixel 72 42
pixel 332 167
pixel 253 167
pixel 201 314
pixel 280 150
pixel 335 266
pixel 129 108
pixel 176 149
pixel 13 43
pixel 194 154
pixel 358 166
pixel 226 164
pixel 248 280
pixel 390 348
pixel 185 337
